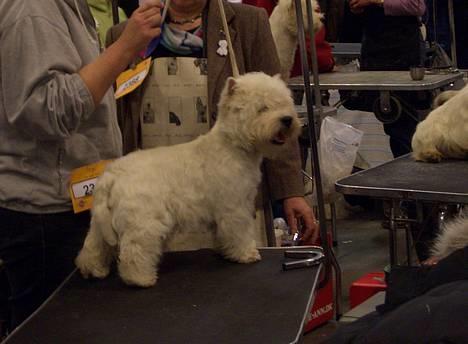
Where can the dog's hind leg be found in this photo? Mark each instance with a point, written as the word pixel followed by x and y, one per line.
pixel 140 251
pixel 235 234
pixel 96 255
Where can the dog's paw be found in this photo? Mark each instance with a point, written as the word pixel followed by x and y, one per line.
pixel 432 155
pixel 246 257
pixel 98 272
pixel 144 281
pixel 90 269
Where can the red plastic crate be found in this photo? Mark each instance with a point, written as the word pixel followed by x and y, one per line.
pixel 366 286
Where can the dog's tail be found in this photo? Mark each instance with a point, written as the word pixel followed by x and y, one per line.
pixel 96 255
pixel 453 237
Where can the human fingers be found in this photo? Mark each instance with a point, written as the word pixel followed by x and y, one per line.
pixel 146 4
pixel 138 33
pixel 430 261
pixel 151 17
pixel 309 232
pixel 292 221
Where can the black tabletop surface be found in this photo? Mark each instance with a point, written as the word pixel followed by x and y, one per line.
pixel 405 178
pixel 199 298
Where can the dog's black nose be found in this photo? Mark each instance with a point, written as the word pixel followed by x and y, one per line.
pixel 287 121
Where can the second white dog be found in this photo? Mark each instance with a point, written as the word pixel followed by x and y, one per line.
pixel 444 132
pixel 145 196
pixel 284 29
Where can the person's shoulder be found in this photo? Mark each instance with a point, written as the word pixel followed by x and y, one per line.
pixel 19 10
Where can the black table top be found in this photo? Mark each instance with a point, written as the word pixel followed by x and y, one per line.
pixel 404 178
pixel 199 298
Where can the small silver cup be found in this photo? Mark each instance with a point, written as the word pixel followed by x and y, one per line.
pixel 417 73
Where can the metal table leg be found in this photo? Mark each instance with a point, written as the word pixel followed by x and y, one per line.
pixel 333 224
pixel 395 207
pixel 408 245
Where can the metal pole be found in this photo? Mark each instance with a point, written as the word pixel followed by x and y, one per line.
pixel 313 58
pixel 115 12
pixel 453 39
pixel 329 255
pixel 434 20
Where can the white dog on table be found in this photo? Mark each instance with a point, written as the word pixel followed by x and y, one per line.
pixel 444 132
pixel 145 196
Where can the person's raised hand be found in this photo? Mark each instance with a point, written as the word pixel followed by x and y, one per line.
pixel 143 26
pixel 297 212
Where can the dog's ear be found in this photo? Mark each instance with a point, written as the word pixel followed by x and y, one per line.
pixel 231 84
pixel 277 76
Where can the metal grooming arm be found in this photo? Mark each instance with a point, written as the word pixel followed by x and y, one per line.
pixel 115 12
pixel 330 259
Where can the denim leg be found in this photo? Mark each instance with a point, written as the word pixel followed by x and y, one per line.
pixel 38 253
pixel 64 237
pixel 21 249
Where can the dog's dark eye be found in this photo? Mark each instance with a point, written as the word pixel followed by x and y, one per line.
pixel 263 109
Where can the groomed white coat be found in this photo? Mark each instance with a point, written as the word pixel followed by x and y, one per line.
pixel 444 132
pixel 142 198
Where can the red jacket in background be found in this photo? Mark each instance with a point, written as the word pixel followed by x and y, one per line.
pixel 325 59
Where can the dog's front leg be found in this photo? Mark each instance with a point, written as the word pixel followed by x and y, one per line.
pixel 235 234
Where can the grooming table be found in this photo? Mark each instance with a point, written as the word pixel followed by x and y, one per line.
pixel 379 81
pixel 389 107
pixel 405 179
pixel 199 298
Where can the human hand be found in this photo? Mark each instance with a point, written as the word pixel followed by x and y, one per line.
pixel 143 26
pixel 297 210
pixel 358 6
pixel 431 261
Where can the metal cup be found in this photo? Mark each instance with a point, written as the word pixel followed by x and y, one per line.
pixel 417 73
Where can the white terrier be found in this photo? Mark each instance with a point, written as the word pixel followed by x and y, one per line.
pixel 145 196
pixel 284 30
pixel 444 132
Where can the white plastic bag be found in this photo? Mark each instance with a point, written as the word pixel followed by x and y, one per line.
pixel 338 146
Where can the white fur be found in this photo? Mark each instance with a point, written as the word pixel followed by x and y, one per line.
pixel 443 97
pixel 454 236
pixel 444 132
pixel 142 198
pixel 284 30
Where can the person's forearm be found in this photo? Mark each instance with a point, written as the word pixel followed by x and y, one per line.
pixel 101 74
pixel 141 28
pixel 404 7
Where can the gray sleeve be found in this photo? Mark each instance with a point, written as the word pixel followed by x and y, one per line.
pixel 42 92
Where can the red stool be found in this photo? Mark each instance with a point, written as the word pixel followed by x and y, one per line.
pixel 365 287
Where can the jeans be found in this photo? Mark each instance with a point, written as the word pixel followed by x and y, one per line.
pixel 401 133
pixel 37 251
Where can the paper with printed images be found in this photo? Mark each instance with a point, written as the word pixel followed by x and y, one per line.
pixel 175 102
